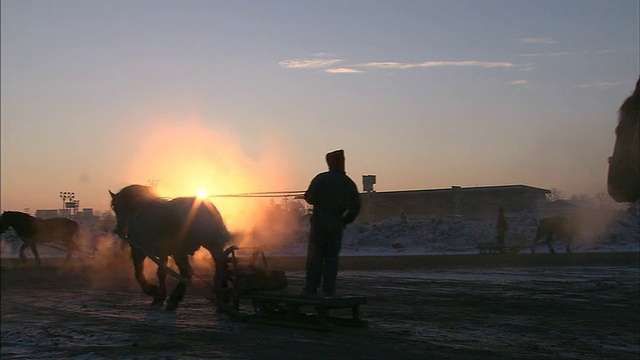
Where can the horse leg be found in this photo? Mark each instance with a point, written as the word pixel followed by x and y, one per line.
pixel 138 265
pixel 549 245
pixel 176 296
pixel 534 244
pixel 71 246
pixel 34 250
pixel 569 242
pixel 23 257
pixel 161 294
pixel 220 278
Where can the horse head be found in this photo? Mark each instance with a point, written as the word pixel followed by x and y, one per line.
pixel 126 202
pixel 623 178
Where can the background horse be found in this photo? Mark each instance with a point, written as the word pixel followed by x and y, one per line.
pixel 561 226
pixel 623 179
pixel 32 231
pixel 159 228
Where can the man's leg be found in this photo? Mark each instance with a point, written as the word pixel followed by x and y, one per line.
pixel 314 260
pixel 334 243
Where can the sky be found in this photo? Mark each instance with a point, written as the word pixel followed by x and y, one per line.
pixel 248 96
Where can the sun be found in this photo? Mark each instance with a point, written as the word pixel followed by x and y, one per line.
pixel 202 194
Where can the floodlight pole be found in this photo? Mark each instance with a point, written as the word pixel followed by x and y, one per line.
pixel 66 195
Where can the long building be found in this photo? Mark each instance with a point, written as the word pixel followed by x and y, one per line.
pixel 471 202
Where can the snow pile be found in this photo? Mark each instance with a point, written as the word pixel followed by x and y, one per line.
pixel 457 235
pixel 622 234
pixel 443 235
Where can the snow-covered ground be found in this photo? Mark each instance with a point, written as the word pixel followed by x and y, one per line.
pixel 619 232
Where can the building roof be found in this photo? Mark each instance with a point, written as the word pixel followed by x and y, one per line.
pixel 475 188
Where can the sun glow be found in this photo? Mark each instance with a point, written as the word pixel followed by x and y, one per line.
pixel 202 194
pixel 185 156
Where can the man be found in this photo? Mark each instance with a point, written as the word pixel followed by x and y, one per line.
pixel 336 203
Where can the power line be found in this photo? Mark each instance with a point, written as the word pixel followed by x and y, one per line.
pixel 264 194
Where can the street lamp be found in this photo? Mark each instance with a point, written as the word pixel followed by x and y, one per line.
pixel 67 196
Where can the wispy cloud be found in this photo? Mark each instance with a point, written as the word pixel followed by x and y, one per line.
pixel 343 71
pixel 519 82
pixel 466 63
pixel 323 54
pixel 317 62
pixel 527 67
pixel 598 85
pixel 308 63
pixel 537 40
pixel 560 53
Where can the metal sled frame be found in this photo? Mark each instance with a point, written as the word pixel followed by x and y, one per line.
pixel 284 307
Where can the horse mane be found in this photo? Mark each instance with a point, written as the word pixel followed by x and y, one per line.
pixel 630 108
pixel 622 177
pixel 133 196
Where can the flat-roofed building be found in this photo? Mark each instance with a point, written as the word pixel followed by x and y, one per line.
pixel 471 202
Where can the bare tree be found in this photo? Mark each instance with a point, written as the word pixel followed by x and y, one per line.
pixel 554 195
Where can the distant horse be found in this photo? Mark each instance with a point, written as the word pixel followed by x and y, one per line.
pixel 560 226
pixel 32 231
pixel 158 228
pixel 623 179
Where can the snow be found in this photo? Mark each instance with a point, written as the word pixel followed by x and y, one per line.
pixel 457 235
pixel 396 236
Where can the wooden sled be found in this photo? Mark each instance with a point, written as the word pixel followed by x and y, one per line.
pixel 252 282
pixel 285 308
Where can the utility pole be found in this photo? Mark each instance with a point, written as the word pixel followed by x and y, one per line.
pixel 367 185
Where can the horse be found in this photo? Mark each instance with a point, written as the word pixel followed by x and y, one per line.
pixel 33 230
pixel 623 178
pixel 158 228
pixel 562 226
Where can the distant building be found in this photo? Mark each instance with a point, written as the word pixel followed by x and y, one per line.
pixel 86 212
pixel 46 214
pixel 84 216
pixel 64 213
pixel 472 202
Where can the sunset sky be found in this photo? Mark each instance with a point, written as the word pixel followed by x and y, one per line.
pixel 245 96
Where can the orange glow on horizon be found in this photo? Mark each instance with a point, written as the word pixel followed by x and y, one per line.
pixel 185 156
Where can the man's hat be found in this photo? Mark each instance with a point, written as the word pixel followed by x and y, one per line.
pixel 335 160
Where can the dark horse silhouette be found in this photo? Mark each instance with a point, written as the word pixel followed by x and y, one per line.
pixel 561 226
pixel 623 179
pixel 32 231
pixel 158 228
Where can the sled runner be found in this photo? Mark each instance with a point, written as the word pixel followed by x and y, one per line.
pixel 264 290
